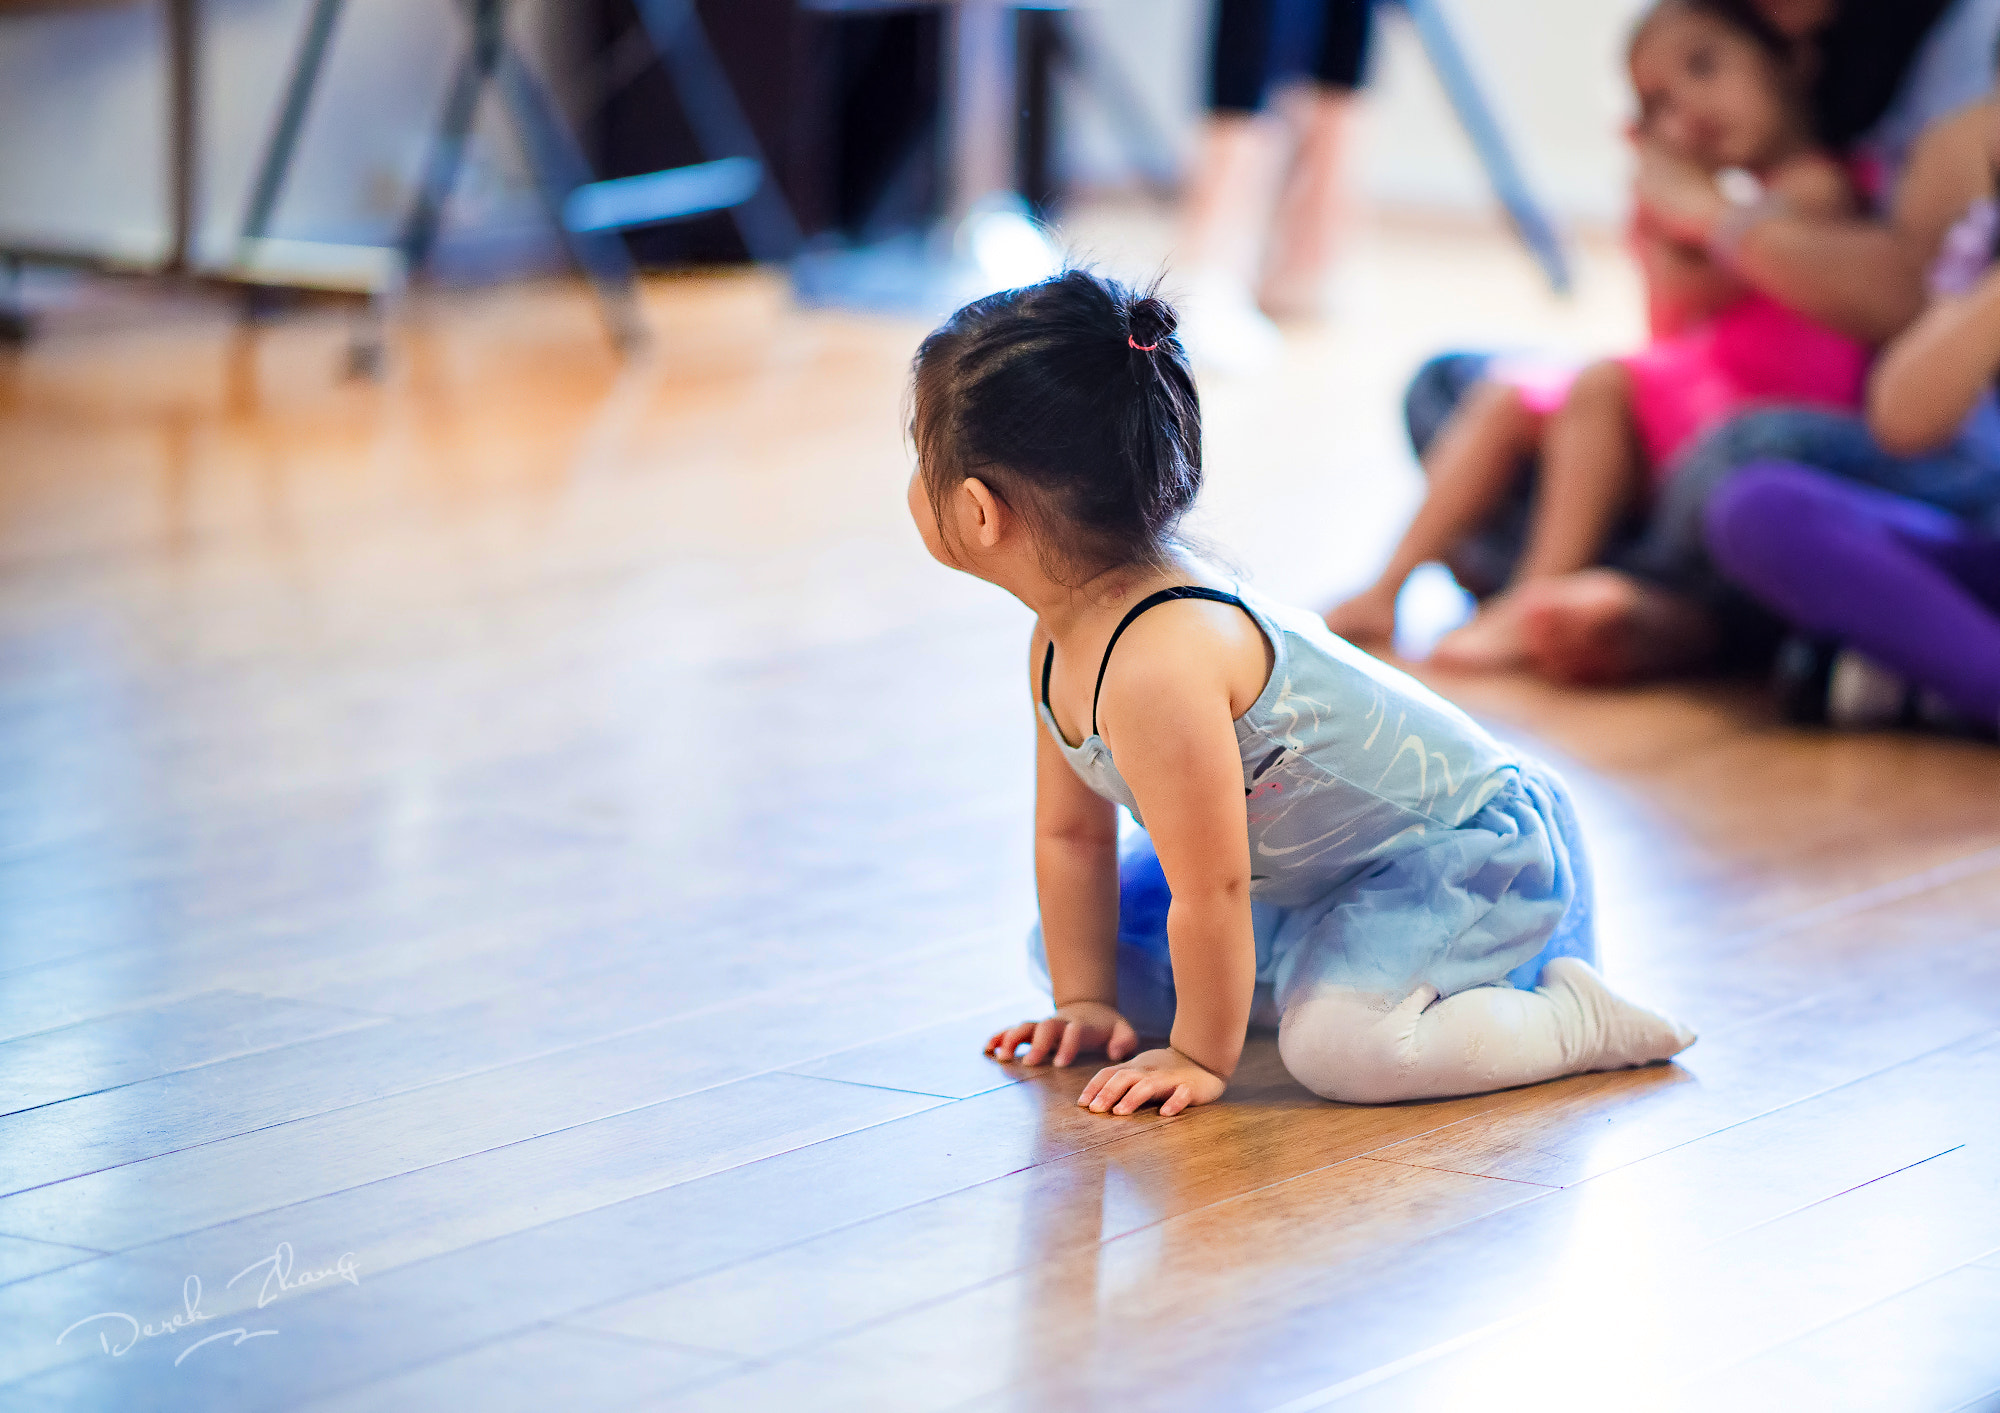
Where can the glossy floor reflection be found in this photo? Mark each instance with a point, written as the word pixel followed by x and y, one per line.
pixel 513 865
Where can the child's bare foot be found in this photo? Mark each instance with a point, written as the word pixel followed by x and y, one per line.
pixel 1599 626
pixel 1368 620
pixel 1491 642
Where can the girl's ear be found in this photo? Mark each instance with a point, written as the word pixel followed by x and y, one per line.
pixel 983 512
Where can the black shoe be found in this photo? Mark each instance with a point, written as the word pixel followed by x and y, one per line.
pixel 1799 678
pixel 1820 683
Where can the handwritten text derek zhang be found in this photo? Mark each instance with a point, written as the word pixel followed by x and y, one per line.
pixel 118 1333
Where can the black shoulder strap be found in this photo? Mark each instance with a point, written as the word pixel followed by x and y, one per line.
pixel 1185 591
pixel 1048 665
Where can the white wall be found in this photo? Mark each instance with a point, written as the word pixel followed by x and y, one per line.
pixel 1552 68
pixel 83 157
pixel 83 111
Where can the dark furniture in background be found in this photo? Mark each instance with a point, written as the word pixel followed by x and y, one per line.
pixel 846 107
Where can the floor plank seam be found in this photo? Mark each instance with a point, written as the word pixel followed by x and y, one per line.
pixel 98 1020
pixel 1131 1136
pixel 1794 1103
pixel 805 1348
pixel 190 1069
pixel 534 1058
pixel 9 973
pixel 390 1177
pixel 59 1245
pixel 1368 1378
pixel 1895 891
pixel 735 1362
pixel 1134 1135
pixel 1861 1309
pixel 1972 945
pixel 793 984
pixel 502 1147
pixel 1462 1172
pixel 1382 1373
pixel 645 1341
pixel 152 1001
pixel 1498 1097
pixel 894 1088
pixel 926 1024
pixel 562 1318
pixel 1854 1187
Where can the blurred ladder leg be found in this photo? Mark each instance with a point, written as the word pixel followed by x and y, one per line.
pixel 560 169
pixel 276 168
pixel 721 128
pixel 15 325
pixel 447 153
pixel 1476 116
pixel 1096 72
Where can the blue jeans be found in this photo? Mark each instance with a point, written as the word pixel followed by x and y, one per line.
pixel 1963 478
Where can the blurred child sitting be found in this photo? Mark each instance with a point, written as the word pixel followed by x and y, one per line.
pixel 1716 82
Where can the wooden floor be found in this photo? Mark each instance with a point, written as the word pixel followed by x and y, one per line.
pixel 531 849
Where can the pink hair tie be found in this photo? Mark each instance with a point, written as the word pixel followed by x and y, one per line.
pixel 1131 342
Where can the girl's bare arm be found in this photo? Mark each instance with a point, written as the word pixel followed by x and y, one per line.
pixel 1927 381
pixel 1169 719
pixel 1685 284
pixel 1076 879
pixel 1855 276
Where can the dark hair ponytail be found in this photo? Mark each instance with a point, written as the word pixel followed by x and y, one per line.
pixel 1073 401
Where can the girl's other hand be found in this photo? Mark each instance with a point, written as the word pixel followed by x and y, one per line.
pixel 1166 1075
pixel 1074 1029
pixel 1676 194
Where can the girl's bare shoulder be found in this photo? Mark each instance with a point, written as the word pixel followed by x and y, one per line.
pixel 1189 649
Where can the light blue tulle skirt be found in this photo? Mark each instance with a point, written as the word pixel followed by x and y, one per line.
pixel 1488 903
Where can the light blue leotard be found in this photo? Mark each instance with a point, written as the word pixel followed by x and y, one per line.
pixel 1393 842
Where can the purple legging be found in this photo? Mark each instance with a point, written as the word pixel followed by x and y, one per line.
pixel 1912 587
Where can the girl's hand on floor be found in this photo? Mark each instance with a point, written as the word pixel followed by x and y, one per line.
pixel 1166 1075
pixel 1074 1029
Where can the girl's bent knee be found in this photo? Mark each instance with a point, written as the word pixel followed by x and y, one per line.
pixel 1601 389
pixel 1346 1049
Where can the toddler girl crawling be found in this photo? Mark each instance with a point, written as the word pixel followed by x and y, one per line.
pixel 1329 847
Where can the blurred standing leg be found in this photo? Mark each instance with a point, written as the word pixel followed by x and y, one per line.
pixel 1314 211
pixel 1232 248
pixel 1229 197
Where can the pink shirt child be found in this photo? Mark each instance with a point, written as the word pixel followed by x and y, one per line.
pixel 1755 351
